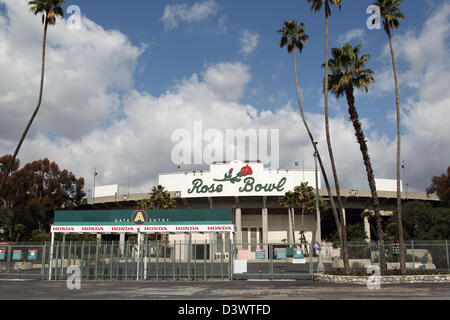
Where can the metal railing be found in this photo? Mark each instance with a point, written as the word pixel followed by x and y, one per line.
pixel 205 260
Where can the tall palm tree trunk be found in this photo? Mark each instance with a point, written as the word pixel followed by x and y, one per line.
pixel 399 195
pixel 370 176
pixel 322 168
pixel 8 169
pixel 330 149
pixel 293 224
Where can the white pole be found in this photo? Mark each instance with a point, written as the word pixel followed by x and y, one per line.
pixel 146 256
pixel 138 254
pixel 51 256
pixel 319 231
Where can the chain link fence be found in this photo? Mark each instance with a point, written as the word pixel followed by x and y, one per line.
pixel 419 255
pixel 205 260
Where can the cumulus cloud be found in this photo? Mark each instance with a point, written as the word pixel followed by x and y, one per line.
pixel 426 147
pixel 350 35
pixel 90 80
pixel 227 80
pixel 81 82
pixel 175 14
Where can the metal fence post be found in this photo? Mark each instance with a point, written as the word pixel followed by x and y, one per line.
pixel 82 259
pixel 204 260
pixel 195 259
pixel 189 257
pixel 56 259
pixel 230 258
pixel 270 256
pixel 8 261
pixel 179 262
pixel 174 257
pixel 164 259
pixel 62 256
pixel 43 260
pixel 311 253
pixel 446 251
pixel 105 250
pixel 89 260
pixel 111 255
pixel 126 261
pixel 157 260
pixel 212 258
pixel 96 261
pixel 69 254
pixel 221 258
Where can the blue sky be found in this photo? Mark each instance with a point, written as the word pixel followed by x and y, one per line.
pixel 177 53
pixel 137 70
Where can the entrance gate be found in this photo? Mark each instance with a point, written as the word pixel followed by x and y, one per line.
pixel 150 261
pixel 274 261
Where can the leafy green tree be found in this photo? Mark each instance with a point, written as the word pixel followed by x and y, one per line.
pixel 307 200
pixel 441 186
pixel 19 230
pixel 49 10
pixel 290 201
pixel 33 192
pixel 6 222
pixel 293 35
pixel 348 73
pixel 421 221
pixel 391 15
pixel 355 233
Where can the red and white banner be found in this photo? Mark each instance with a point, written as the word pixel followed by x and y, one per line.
pixel 143 229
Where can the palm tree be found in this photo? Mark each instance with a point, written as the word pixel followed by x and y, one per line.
pixel 390 13
pixel 289 201
pixel 316 5
pixel 347 73
pixel 49 10
pixel 294 36
pixel 306 199
pixel 159 199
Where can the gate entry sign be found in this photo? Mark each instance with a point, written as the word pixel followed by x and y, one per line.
pixel 145 221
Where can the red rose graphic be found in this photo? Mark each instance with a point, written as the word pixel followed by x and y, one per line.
pixel 245 171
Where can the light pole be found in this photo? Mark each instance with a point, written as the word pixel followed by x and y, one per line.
pixel 93 190
pixel 319 232
pixel 404 176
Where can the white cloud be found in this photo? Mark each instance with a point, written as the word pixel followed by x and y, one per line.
pixel 88 72
pixel 227 80
pixel 249 41
pixel 177 13
pixel 81 82
pixel 350 35
pixel 424 50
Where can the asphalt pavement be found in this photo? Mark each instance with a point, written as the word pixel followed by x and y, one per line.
pixel 217 290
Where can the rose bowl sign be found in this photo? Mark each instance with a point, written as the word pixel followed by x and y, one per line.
pixel 236 178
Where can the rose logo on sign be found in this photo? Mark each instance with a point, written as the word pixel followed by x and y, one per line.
pixel 139 217
pixel 245 171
